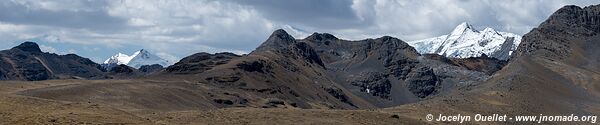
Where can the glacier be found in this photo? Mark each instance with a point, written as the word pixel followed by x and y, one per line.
pixel 137 60
pixel 465 41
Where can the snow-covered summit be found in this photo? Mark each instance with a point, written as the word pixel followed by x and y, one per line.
pixel 137 60
pixel 120 58
pixel 465 41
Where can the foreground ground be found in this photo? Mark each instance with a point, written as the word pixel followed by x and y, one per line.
pixel 20 109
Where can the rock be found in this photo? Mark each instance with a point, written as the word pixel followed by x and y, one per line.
pixel 254 66
pixel 223 101
pixel 278 39
pixel 151 68
pixel 29 47
pixel 338 94
pixel 309 54
pixel 223 79
pixel 373 83
pixel 122 69
pixel 422 82
pixel 321 37
pixel 34 72
pixel 275 101
pixel 399 67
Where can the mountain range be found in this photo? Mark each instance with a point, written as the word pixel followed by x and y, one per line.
pixel 27 62
pixel 320 71
pixel 342 74
pixel 553 70
pixel 465 41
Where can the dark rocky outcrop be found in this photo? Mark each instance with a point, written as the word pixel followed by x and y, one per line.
pixel 255 66
pixel 338 94
pixel 309 54
pixel 223 79
pixel 151 68
pixel 122 69
pixel 373 83
pixel 423 82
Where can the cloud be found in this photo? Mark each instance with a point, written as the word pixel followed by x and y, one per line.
pixel 71 51
pixel 64 13
pixel 178 28
pixel 49 49
pixel 172 59
pixel 327 14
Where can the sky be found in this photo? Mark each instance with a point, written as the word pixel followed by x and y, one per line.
pixel 173 29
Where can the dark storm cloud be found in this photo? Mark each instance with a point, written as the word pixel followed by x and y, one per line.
pixel 328 14
pixel 93 16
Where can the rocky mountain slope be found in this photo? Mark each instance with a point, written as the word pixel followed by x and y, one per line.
pixel 337 73
pixel 387 71
pixel 28 62
pixel 465 41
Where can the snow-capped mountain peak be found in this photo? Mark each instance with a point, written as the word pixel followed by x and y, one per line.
pixel 138 59
pixel 462 28
pixel 143 57
pixel 120 58
pixel 465 41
